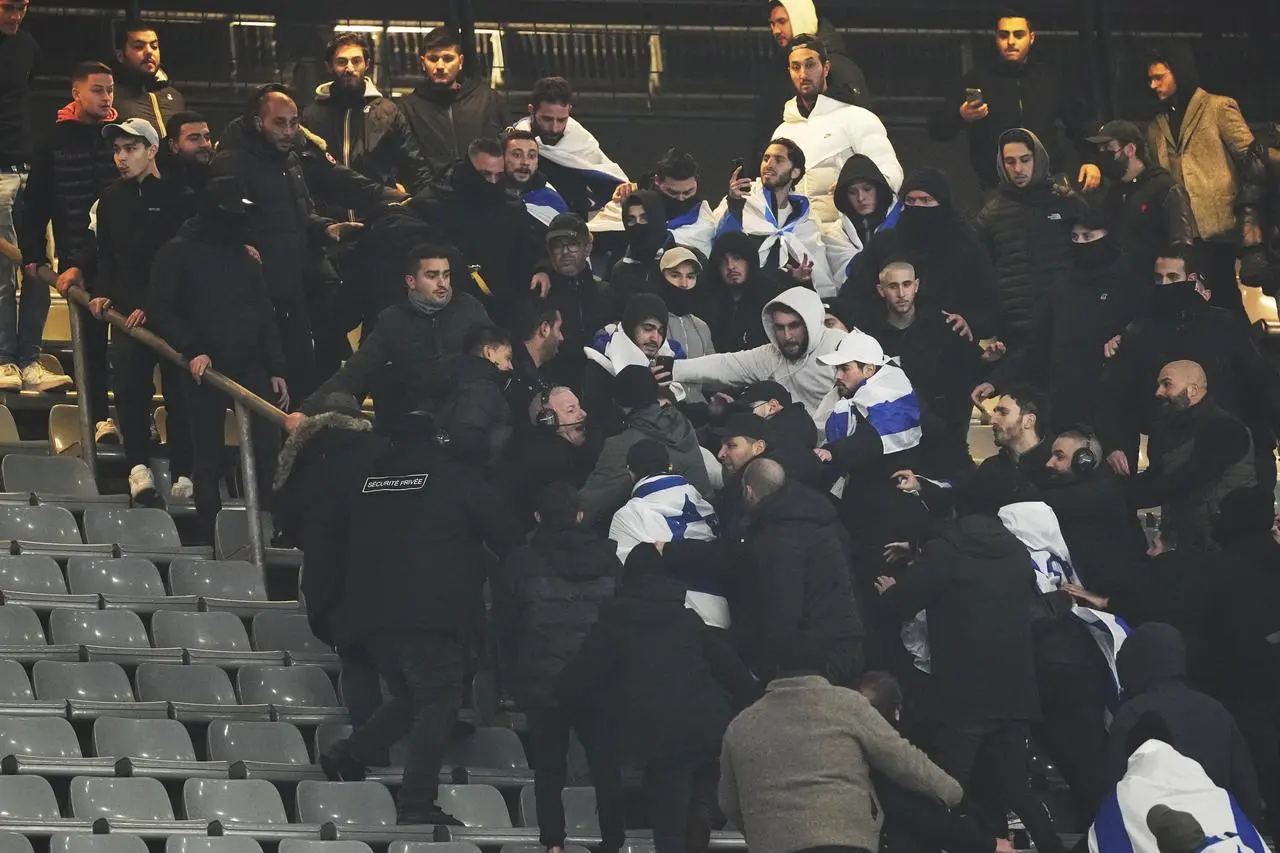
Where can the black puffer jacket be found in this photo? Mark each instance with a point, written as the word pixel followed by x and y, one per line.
pixel 735 320
pixel 1152 665
pixel 400 362
pixel 446 121
pixel 68 174
pixel 370 135
pixel 1028 234
pixel 1153 212
pixel 545 601
pixel 473 409
pixel 134 221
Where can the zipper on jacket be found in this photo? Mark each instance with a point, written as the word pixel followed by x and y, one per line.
pixel 453 132
pixel 346 151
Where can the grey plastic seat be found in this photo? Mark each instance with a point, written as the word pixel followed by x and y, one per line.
pixel 16 696
pixel 13 842
pixel 579 810
pixel 63 476
pixel 108 635
pixel 211 844
pixel 45 523
pixel 217 638
pixel 489 747
pixel 31 573
pixel 268 742
pixel 195 693
pixel 253 801
pixel 230 579
pixel 432 847
pixel 79 842
pixel 164 740
pixel 231 539
pixel 91 690
pixel 349 803
pixel 538 848
pixel 142 528
pixel 299 694
pixel 291 633
pixel 120 799
pixel 47 737
pixel 475 805
pixel 20 626
pixel 133 577
pixel 28 798
pixel 305 845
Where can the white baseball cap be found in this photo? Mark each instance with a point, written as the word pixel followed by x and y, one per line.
pixel 856 346
pixel 139 127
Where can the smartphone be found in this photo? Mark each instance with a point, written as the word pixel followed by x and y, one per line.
pixel 735 164
pixel 666 362
pixel 973 96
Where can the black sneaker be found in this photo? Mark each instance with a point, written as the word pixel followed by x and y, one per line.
pixel 340 764
pixel 434 816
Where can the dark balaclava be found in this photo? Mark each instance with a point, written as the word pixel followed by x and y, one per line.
pixel 645 241
pixel 922 222
pixel 1094 213
pixel 224 210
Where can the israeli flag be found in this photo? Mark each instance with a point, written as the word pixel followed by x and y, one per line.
pixel 544 204
pixel 800 235
pixel 694 228
pixel 1157 774
pixel 580 151
pixel 889 403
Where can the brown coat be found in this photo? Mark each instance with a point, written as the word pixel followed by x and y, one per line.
pixel 1214 138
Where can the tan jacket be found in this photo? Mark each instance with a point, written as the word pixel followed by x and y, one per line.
pixel 1203 159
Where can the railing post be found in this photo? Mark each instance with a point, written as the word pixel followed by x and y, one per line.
pixel 80 364
pixel 249 474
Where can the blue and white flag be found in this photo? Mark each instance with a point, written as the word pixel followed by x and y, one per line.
pixel 1157 774
pixel 613 350
pixel 544 203
pixel 694 228
pixel 1036 526
pixel 667 508
pixel 889 403
pixel 580 151
pixel 800 235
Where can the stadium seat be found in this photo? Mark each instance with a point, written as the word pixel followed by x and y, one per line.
pixel 538 848
pixel 114 635
pixel 349 803
pixel 297 694
pixel 16 697
pixel 475 805
pixel 46 746
pixel 235 586
pixel 22 638
pixel 44 529
pixel 216 638
pixel 209 844
pixel 492 755
pixel 252 801
pixel 121 799
pixel 301 845
pixel 196 693
pixel 62 480
pixel 128 583
pixel 28 798
pixel 14 842
pixel 35 581
pixel 231 539
pixel 433 847
pixel 637 847
pixel 262 750
pixel 290 632
pixel 160 749
pixel 69 842
pixel 142 528
pixel 91 690
pixel 579 810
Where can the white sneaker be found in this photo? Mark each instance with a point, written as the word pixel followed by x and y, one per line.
pixel 36 377
pixel 106 433
pixel 10 377
pixel 182 489
pixel 142 484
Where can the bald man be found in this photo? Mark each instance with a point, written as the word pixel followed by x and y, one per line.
pixel 1199 453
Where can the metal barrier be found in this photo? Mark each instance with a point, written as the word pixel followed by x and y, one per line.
pixel 245 402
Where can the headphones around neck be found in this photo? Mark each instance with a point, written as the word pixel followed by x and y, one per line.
pixel 1084 460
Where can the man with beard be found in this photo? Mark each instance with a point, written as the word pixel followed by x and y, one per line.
pixel 520 160
pixel 569 154
pixel 790 20
pixel 1079 313
pixel 1017 88
pixel 556 449
pixel 1205 143
pixel 687 214
pixel 362 129
pixel 586 303
pixel 470 206
pixel 641 339
pixel 142 87
pixel 955 270
pixel 1198 455
pixel 1152 210
pixel 779 219
pixel 1182 326
pixel 449 109
pixel 739 293
pixel 1024 227
pixel 867 205
pixel 190 148
pixel 829 131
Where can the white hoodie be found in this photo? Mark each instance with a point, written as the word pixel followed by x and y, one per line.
pixel 832 133
pixel 807 379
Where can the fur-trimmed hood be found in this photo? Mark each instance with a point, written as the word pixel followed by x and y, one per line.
pixel 309 428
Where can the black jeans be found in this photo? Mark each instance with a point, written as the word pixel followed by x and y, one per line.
pixel 206 411
pixel 1219 262
pixel 1073 704
pixel 681 791
pixel 548 748
pixel 293 319
pixel 94 344
pixel 133 366
pixel 424 673
pixel 992 755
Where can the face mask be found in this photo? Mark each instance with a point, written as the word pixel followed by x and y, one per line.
pixel 922 218
pixel 1113 167
pixel 1099 253
pixel 1170 300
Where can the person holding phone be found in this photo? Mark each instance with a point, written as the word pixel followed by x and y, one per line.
pixel 1019 87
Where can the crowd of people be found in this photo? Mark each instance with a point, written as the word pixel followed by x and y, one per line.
pixel 704 439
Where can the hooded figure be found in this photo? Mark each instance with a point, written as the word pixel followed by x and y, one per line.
pixel 848 237
pixel 1027 231
pixel 1152 665
pixel 738 291
pixel 797 337
pixel 637 271
pixel 955 271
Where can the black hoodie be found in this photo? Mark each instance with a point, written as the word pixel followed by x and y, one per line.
pixel 860 167
pixel 1152 665
pixel 735 321
pixel 446 120
pixel 638 271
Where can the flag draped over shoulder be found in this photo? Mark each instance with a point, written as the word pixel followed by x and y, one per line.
pixel 889 403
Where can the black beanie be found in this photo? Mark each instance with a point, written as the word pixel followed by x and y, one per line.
pixel 930 180
pixel 648 457
pixel 634 387
pixel 641 307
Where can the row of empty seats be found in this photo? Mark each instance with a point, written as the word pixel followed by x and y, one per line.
pixel 65 842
